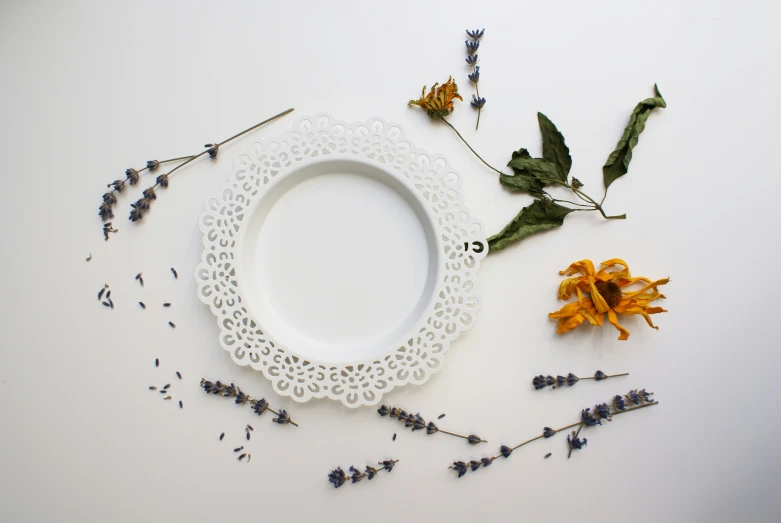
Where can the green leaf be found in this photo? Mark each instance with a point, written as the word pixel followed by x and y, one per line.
pixel 545 171
pixel 617 163
pixel 535 218
pixel 523 182
pixel 553 147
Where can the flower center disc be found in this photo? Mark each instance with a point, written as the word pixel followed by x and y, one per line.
pixel 610 291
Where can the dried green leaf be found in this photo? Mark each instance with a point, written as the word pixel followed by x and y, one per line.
pixel 545 171
pixel 553 147
pixel 617 163
pixel 523 182
pixel 535 218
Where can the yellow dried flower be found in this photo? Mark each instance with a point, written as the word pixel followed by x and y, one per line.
pixel 603 292
pixel 438 102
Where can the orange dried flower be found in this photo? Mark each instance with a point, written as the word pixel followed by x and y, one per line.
pixel 604 292
pixel 438 102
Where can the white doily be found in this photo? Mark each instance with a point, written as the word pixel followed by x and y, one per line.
pixel 460 241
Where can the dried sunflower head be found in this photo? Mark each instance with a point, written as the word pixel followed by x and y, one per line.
pixel 605 292
pixel 438 103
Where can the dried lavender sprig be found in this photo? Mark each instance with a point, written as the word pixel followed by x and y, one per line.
pixel 471 60
pixel 640 399
pixel 143 204
pixel 540 382
pixel 259 406
pixel 131 177
pixel 338 477
pixel 415 422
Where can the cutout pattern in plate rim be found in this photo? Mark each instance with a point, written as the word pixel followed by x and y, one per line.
pixel 456 300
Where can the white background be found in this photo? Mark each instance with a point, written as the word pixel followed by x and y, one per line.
pixel 89 89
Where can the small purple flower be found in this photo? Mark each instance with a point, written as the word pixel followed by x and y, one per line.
pixel 505 451
pixel 474 465
pixel 132 176
pixel 548 432
pixel 383 410
pixel 431 428
pixel 477 33
pixel 589 419
pixel 478 102
pixel 471 60
pixel 475 77
pixel 110 198
pixel 162 180
pixel 460 467
pixel 572 379
pixel 260 406
pixel 337 477
pixel 152 165
pixel 471 47
pixel 603 411
pixel 576 443
pixel 619 403
pixel 600 375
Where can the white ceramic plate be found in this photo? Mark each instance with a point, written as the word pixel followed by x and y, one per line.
pixel 340 260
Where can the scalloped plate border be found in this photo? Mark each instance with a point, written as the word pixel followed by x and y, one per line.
pixel 456 299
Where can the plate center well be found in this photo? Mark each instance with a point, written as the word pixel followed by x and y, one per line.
pixel 340 260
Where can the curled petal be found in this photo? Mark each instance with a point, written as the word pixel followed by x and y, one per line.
pixel 613 319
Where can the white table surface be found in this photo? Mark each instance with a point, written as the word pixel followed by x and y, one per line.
pixel 89 89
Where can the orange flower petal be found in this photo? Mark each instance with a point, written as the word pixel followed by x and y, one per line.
pixel 569 324
pixel 599 301
pixel 584 267
pixel 613 319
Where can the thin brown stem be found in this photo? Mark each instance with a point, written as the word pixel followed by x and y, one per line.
pixel 528 441
pixel 607 376
pixel 458 435
pixel 245 131
pixel 470 148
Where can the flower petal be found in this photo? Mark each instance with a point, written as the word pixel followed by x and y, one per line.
pixel 599 301
pixel 584 267
pixel 566 325
pixel 613 319
pixel 651 285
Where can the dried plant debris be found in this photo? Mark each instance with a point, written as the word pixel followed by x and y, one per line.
pixel 338 477
pixel 102 291
pixel 157 362
pixel 180 404
pixel 440 416
pixel 166 305
pixel 140 279
pixel 222 436
pixel 178 374
pixel 171 324
pixel 415 422
pixel 548 455
pixel 259 406
pixel 540 382
pixel 602 412
pixel 176 276
pixel 89 258
pixel 394 436
pixel 142 304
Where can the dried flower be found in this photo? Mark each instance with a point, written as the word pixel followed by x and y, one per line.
pixel 475 76
pixel 575 442
pixel 258 406
pixel 105 211
pixel 151 165
pixel 438 103
pixel 587 419
pixel 132 176
pixel 338 477
pixel 212 150
pixel 416 422
pixel 460 467
pixel 603 411
pixel 162 181
pixel 471 47
pixel 540 382
pixel 477 33
pixel 477 102
pixel 471 60
pixel 605 295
